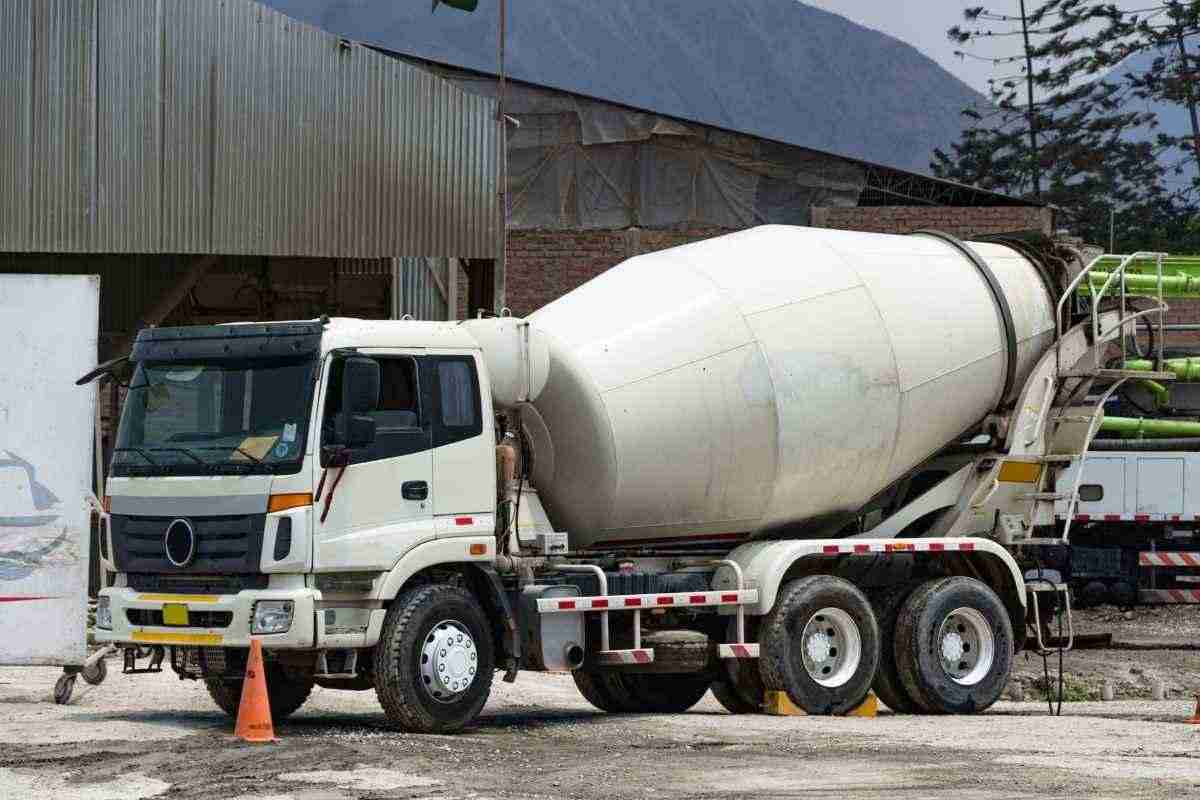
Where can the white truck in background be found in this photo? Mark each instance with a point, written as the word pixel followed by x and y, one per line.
pixel 785 459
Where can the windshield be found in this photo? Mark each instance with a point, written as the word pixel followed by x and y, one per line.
pixel 184 418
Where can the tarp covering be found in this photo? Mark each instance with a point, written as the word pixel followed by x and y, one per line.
pixel 578 163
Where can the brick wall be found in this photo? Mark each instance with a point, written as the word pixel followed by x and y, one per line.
pixel 545 265
pixel 962 222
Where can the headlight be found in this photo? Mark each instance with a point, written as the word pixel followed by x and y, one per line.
pixel 272 616
pixel 103 614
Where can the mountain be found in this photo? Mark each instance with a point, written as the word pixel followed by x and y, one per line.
pixel 772 68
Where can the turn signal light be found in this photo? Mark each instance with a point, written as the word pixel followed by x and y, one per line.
pixel 282 502
pixel 478 549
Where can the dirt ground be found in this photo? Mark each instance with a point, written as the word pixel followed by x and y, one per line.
pixel 157 736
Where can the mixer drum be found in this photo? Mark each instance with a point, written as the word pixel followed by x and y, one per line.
pixel 778 376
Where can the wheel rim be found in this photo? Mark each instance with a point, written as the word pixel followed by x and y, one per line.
pixel 831 647
pixel 965 644
pixel 448 661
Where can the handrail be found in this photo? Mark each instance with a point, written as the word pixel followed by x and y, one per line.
pixel 1126 260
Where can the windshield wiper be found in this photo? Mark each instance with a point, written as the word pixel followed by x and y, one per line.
pixel 137 450
pixel 250 456
pixel 185 451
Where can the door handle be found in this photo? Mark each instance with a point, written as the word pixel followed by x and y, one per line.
pixel 414 490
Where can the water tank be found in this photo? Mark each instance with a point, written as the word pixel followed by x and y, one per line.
pixel 772 379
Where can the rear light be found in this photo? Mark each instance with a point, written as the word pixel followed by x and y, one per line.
pixel 106 504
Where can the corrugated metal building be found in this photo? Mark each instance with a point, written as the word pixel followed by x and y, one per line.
pixel 215 159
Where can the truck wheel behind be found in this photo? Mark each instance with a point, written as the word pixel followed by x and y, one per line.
pixel 604 689
pixel 820 644
pixel 887 684
pixel 434 662
pixel 954 647
pixel 666 693
pixel 285 693
pixel 738 692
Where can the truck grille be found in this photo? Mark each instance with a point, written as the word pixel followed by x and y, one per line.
pixel 196 584
pixel 227 544
pixel 196 619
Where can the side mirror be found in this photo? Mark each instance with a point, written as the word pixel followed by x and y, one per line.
pixel 360 386
pixel 360 395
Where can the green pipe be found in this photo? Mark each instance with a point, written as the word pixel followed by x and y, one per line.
pixel 1134 428
pixel 1143 285
pixel 1160 393
pixel 1185 369
pixel 1172 265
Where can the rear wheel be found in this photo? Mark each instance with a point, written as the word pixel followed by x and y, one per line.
pixel 434 662
pixel 954 647
pixel 666 693
pixel 739 687
pixel 604 690
pixel 887 684
pixel 285 693
pixel 820 644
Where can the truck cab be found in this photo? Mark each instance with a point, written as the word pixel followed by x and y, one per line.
pixel 267 478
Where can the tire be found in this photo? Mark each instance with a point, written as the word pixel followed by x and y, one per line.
pixel 285 694
pixel 887 684
pixel 806 611
pixel 739 688
pixel 963 617
pixel 408 665
pixel 677 652
pixel 666 693
pixel 96 674
pixel 605 690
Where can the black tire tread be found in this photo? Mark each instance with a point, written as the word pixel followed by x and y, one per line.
pixel 909 649
pixel 887 685
pixel 393 684
pixel 730 698
pixel 774 639
pixel 667 693
pixel 285 694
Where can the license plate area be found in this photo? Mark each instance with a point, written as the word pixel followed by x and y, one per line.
pixel 175 614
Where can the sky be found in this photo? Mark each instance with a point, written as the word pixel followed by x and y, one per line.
pixel 923 24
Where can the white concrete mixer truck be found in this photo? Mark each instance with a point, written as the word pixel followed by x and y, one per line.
pixel 783 460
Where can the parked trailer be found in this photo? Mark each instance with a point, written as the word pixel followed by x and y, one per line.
pixel 809 474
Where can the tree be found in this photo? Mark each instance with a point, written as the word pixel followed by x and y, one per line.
pixel 1167 31
pixel 1057 129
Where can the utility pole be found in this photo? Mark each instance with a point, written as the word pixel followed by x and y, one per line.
pixel 502 169
pixel 1031 112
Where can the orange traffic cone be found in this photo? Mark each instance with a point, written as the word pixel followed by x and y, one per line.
pixel 1195 718
pixel 254 712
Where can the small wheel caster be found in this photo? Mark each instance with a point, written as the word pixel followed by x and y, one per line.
pixel 95 673
pixel 63 688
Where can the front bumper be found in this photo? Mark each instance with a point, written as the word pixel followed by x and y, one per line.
pixel 301 636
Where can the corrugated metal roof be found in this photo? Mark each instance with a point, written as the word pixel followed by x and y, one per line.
pixel 206 126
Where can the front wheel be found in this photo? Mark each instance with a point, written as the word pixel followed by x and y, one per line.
pixel 285 693
pixel 820 644
pixel 434 661
pixel 954 646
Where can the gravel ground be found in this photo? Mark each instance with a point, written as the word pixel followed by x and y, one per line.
pixel 153 735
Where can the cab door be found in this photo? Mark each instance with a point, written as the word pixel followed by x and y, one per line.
pixel 382 504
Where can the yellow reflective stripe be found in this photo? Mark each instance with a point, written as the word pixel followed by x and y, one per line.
pixel 178 598
pixel 150 637
pixel 1020 472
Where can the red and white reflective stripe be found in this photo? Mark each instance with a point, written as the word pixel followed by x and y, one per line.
pixel 641 656
pixel 623 601
pixel 899 546
pixel 737 650
pixel 1136 517
pixel 1169 595
pixel 1160 559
